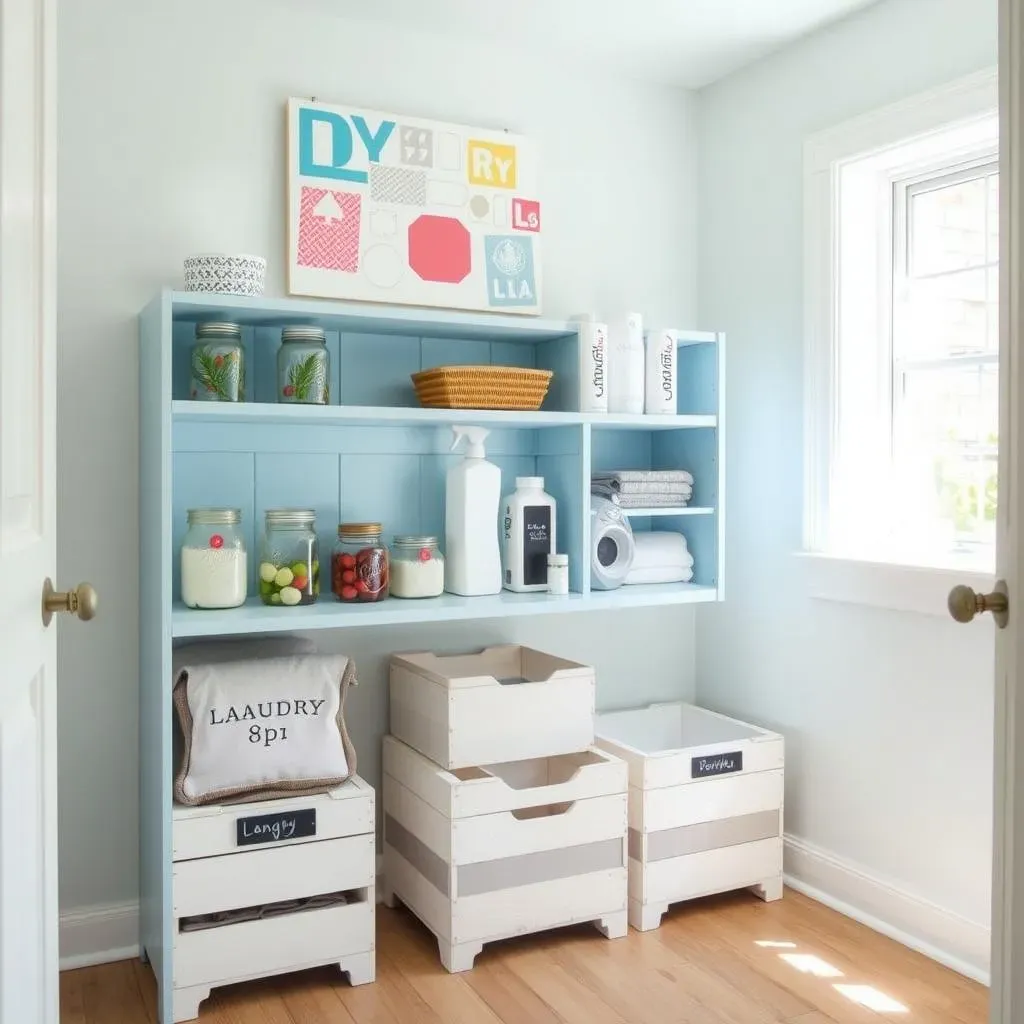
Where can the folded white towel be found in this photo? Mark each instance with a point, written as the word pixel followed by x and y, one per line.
pixel 637 476
pixel 662 574
pixel 610 490
pixel 628 501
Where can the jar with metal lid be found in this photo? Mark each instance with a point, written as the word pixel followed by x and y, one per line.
pixel 214 565
pixel 417 567
pixel 303 366
pixel 360 569
pixel 290 559
pixel 218 363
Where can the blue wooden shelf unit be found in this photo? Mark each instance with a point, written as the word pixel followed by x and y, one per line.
pixel 376 455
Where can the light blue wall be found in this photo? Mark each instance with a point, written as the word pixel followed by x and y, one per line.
pixel 171 143
pixel 887 715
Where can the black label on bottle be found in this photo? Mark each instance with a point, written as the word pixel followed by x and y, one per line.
pixel 536 544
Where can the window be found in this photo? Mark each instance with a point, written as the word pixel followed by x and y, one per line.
pixel 902 333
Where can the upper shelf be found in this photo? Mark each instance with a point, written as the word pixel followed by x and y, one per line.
pixel 267 412
pixel 366 318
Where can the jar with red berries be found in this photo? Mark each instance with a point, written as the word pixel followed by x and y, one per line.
pixel 360 569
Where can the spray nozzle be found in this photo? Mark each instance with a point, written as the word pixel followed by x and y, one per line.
pixel 475 438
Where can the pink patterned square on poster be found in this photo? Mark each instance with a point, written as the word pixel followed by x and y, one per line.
pixel 329 229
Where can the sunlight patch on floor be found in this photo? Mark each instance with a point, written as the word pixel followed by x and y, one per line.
pixel 808 963
pixel 772 944
pixel 870 998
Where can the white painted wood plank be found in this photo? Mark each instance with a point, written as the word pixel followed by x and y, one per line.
pixel 214 884
pixel 504 787
pixel 428 903
pixel 491 836
pixel 257 948
pixel 426 823
pixel 211 831
pixel 700 874
pixel 725 797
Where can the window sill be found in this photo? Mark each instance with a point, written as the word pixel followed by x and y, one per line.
pixel 905 588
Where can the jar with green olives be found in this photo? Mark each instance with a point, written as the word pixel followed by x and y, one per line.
pixel 290 560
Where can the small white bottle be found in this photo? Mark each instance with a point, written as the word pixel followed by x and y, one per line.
pixel 472 493
pixel 660 389
pixel 593 364
pixel 558 575
pixel 528 535
pixel 626 364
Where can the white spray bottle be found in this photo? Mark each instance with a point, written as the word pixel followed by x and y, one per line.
pixel 472 495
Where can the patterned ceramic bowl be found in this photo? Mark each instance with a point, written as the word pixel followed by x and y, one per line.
pixel 232 275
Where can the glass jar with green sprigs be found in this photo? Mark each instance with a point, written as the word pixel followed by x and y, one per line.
pixel 303 366
pixel 218 363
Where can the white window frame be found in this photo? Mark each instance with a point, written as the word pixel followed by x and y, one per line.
pixel 828 576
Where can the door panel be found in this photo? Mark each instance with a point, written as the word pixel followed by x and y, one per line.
pixel 28 785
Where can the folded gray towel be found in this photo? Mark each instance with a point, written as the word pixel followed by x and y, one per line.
pixel 618 477
pixel 675 491
pixel 629 501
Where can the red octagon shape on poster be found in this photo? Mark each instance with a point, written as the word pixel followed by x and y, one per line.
pixel 439 249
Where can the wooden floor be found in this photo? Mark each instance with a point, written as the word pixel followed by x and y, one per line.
pixel 727 959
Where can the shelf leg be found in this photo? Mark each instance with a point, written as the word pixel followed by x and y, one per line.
pixel 187 1000
pixel 769 890
pixel 458 956
pixel 361 968
pixel 645 916
pixel 613 926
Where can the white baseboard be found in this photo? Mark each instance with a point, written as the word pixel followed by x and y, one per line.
pixel 955 942
pixel 99 935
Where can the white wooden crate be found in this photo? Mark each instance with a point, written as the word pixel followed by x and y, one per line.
pixel 213 874
pixel 705 805
pixel 485 853
pixel 506 703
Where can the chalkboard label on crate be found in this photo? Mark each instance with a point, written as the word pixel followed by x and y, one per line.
pixel 276 828
pixel 716 764
pixel 536 544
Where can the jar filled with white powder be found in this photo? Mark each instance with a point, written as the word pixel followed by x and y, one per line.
pixel 214 567
pixel 417 567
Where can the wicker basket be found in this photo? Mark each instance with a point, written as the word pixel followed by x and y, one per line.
pixel 482 387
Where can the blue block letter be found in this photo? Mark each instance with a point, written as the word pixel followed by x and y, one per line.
pixel 374 142
pixel 341 147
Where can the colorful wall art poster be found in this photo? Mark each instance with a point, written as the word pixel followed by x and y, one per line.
pixel 396 209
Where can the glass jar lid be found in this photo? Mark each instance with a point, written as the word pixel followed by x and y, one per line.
pixel 219 329
pixel 290 517
pixel 214 516
pixel 359 531
pixel 302 332
pixel 412 540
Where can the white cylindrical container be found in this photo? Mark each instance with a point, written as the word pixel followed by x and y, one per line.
pixel 593 365
pixel 558 575
pixel 660 385
pixel 528 535
pixel 626 364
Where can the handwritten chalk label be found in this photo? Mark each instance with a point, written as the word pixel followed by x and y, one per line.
pixel 716 764
pixel 275 828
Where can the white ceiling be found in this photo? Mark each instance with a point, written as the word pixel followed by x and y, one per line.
pixel 683 42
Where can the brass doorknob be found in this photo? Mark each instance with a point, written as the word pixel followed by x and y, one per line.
pixel 964 603
pixel 81 601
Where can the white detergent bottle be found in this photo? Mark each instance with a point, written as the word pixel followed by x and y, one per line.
pixel 528 535
pixel 472 494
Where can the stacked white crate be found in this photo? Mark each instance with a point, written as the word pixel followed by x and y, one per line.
pixel 705 805
pixel 500 817
pixel 213 874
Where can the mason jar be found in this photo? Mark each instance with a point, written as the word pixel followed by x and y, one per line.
pixel 289 559
pixel 303 366
pixel 417 567
pixel 214 564
pixel 359 563
pixel 218 363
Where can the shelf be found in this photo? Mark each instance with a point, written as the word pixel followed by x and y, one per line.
pixel 366 318
pixel 666 510
pixel 256 617
pixel 392 416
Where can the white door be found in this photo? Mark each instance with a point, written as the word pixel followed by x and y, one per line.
pixel 28 687
pixel 1008 848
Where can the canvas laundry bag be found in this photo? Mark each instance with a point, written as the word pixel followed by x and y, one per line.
pixel 257 728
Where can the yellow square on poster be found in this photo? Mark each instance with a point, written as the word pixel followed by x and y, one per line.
pixel 491 164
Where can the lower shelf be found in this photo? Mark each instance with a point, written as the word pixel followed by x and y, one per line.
pixel 327 613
